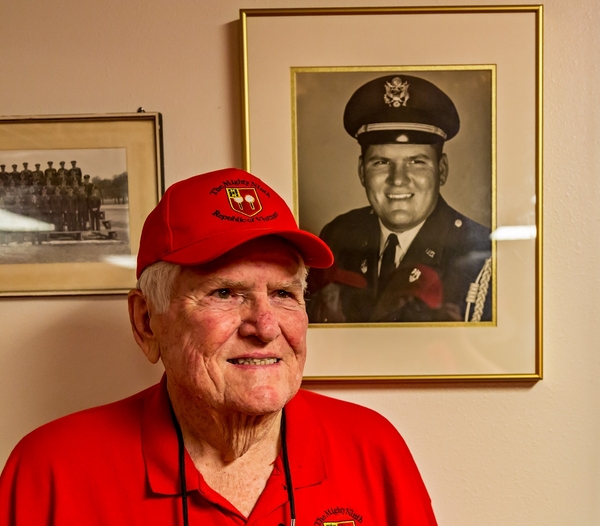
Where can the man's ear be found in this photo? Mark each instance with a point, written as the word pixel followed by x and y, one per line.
pixel 361 170
pixel 139 316
pixel 444 169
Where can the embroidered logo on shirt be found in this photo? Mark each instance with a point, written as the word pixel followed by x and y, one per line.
pixel 338 517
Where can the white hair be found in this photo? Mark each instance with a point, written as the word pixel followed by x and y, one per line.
pixel 157 280
pixel 156 284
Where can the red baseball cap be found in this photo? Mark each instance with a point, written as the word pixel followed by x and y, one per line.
pixel 203 217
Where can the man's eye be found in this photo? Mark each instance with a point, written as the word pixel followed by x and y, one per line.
pixel 223 294
pixel 284 294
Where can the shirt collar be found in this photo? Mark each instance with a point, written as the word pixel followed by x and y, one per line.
pixel 404 238
pixel 305 450
pixel 159 445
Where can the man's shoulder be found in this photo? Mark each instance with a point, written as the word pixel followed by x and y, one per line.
pixel 449 214
pixel 456 229
pixel 336 416
pixel 83 429
pixel 353 218
pixel 351 228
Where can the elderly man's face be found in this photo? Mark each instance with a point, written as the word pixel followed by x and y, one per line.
pixel 402 182
pixel 235 334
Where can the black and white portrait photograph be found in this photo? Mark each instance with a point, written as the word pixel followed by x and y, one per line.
pixel 395 172
pixel 63 206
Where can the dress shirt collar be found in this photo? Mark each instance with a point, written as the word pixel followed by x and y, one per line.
pixel 404 240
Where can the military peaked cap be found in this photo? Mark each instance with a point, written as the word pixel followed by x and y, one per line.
pixel 400 109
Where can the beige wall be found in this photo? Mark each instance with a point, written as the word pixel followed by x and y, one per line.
pixel 490 454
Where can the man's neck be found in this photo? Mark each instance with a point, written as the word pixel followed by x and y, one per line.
pixel 235 453
pixel 210 434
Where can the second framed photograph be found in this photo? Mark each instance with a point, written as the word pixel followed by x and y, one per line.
pixel 74 193
pixel 419 162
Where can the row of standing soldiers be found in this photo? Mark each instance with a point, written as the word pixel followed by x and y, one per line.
pixel 60 197
pixel 38 177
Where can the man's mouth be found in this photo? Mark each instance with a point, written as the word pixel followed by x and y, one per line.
pixel 399 197
pixel 254 361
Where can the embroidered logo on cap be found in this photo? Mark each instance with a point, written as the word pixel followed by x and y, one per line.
pixel 396 92
pixel 244 201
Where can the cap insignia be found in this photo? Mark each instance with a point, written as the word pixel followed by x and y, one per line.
pixel 244 201
pixel 396 92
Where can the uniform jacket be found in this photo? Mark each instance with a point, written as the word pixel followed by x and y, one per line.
pixel 430 284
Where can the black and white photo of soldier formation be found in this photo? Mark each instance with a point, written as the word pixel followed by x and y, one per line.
pixel 72 207
pixel 405 250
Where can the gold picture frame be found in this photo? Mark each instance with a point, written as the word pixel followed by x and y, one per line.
pixel 279 43
pixel 70 221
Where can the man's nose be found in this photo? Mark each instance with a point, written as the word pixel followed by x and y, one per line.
pixel 259 319
pixel 398 174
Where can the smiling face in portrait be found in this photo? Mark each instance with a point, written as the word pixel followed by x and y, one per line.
pixel 402 182
pixel 235 332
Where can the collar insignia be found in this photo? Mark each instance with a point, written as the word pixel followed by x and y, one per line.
pixel 244 201
pixel 429 252
pixel 364 267
pixel 414 275
pixel 396 92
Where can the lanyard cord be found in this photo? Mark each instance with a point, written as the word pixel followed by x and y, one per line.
pixel 182 481
pixel 286 469
pixel 181 459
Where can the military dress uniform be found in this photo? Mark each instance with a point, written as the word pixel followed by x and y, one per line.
pixel 431 283
pixel 50 174
pixel 26 175
pixel 61 175
pixel 15 176
pixel 4 175
pixel 75 173
pixel 444 274
pixel 38 178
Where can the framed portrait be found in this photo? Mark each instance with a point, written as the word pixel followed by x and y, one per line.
pixel 435 142
pixel 74 193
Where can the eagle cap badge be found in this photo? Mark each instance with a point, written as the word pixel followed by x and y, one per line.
pixel 396 92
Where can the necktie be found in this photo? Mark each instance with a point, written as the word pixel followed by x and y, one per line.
pixel 388 262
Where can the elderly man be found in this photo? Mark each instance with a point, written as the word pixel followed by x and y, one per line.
pixel 409 256
pixel 226 437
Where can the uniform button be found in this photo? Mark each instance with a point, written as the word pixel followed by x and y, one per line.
pixel 458 223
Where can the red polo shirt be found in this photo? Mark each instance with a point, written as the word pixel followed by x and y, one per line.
pixel 117 465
